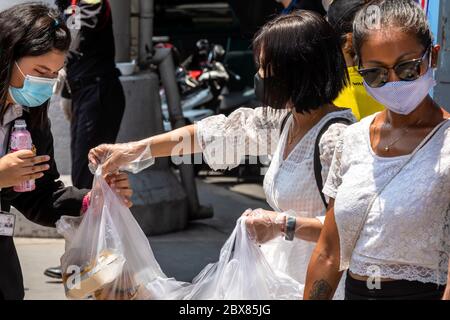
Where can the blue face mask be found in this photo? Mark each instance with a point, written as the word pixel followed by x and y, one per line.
pixel 35 91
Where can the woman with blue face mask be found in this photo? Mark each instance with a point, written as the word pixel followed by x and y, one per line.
pixel 33 46
pixel 388 224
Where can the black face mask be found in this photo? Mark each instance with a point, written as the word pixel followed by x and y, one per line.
pixel 262 85
pixel 259 88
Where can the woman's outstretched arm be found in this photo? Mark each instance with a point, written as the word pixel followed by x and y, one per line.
pixel 224 140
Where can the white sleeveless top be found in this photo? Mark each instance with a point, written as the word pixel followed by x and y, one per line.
pixel 407 232
pixel 288 184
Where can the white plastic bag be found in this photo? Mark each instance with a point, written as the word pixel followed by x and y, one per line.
pixel 242 273
pixel 108 256
pixel 68 226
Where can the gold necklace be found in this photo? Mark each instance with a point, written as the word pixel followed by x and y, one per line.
pixel 405 131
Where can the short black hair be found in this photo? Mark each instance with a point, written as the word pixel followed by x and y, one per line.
pixel 302 61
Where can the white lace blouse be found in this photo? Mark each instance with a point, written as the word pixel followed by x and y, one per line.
pixel 406 235
pixel 289 184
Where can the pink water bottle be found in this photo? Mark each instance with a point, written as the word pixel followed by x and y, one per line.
pixel 21 140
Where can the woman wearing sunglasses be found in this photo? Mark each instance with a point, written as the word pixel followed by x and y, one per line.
pixel 388 221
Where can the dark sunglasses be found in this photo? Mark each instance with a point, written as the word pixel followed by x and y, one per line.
pixel 406 71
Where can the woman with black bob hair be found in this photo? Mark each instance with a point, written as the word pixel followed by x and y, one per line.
pixel 33 47
pixel 301 71
pixel 388 221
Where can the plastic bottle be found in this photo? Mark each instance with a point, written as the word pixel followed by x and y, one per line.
pixel 21 140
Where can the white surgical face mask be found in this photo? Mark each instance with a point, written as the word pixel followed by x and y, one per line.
pixel 403 97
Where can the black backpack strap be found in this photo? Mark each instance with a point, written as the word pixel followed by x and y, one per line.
pixel 317 163
pixel 283 123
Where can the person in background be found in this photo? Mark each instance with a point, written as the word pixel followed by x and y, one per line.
pixel 92 96
pixel 34 42
pixel 312 5
pixel 341 15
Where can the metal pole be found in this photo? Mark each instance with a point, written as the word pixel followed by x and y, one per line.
pixel 121 12
pixel 163 58
pixel 145 31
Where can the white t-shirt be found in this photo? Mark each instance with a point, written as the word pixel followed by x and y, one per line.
pixel 407 232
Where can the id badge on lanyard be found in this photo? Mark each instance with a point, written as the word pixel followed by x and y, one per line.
pixel 7 224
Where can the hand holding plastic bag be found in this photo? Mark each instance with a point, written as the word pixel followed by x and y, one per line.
pixel 108 257
pixel 120 183
pixel 132 157
pixel 263 225
pixel 242 273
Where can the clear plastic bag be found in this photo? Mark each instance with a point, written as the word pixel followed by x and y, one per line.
pixel 242 273
pixel 133 157
pixel 68 227
pixel 108 257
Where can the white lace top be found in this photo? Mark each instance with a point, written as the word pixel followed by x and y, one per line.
pixel 289 184
pixel 406 235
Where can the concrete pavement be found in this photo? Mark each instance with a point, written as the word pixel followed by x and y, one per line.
pixel 35 256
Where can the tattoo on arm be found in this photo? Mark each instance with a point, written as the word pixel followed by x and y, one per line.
pixel 321 290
